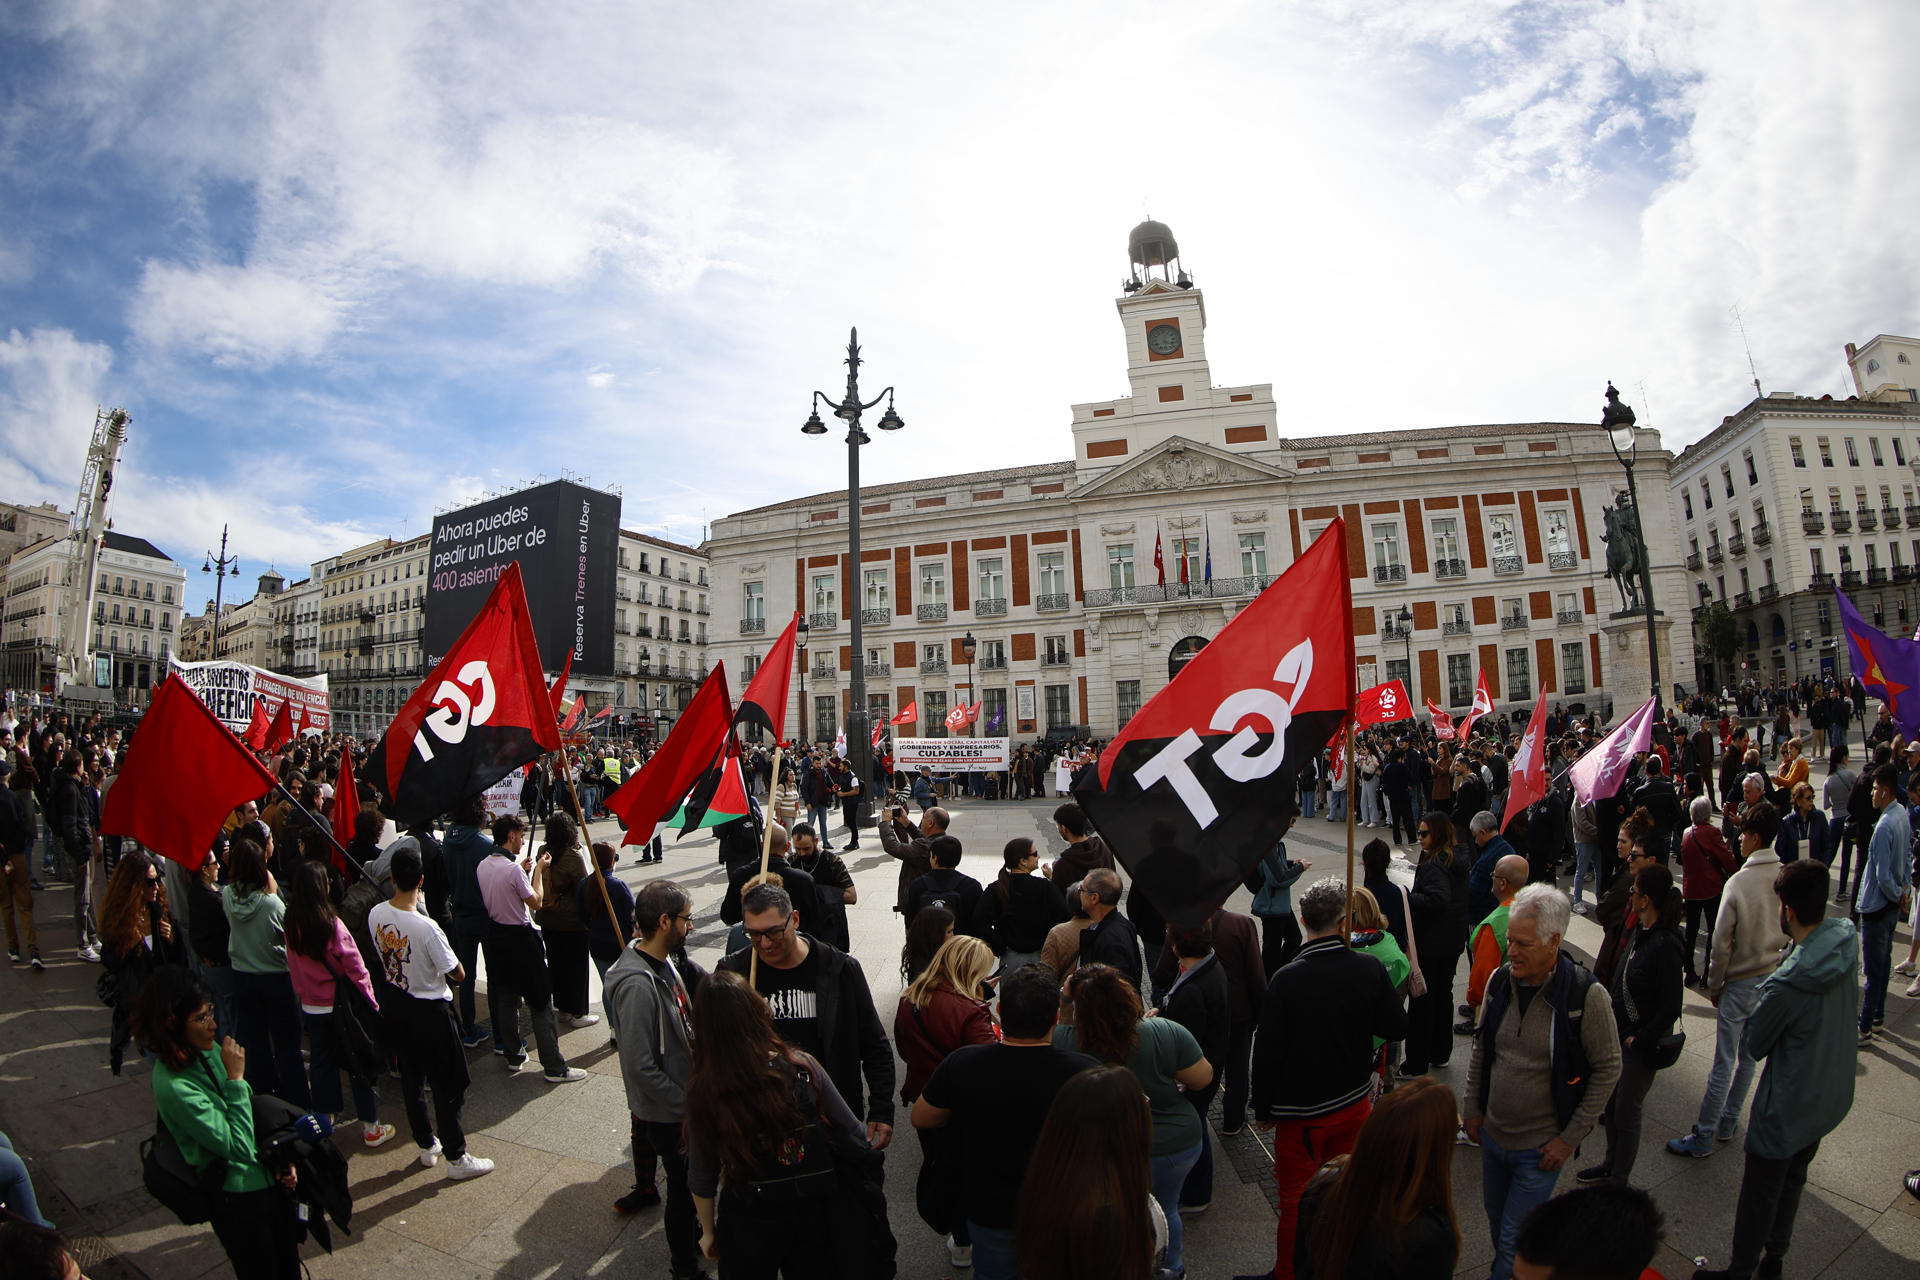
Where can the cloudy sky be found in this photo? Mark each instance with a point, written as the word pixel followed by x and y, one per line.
pixel 350 263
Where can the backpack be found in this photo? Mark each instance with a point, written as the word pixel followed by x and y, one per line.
pixel 1566 991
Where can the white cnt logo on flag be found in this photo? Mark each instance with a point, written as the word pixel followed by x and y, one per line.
pixel 455 709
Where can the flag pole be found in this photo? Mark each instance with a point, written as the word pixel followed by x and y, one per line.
pixel 766 855
pixel 593 863
pixel 1351 731
pixel 333 839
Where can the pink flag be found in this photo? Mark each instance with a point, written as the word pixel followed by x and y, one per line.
pixel 1598 772
pixel 1528 780
pixel 1442 722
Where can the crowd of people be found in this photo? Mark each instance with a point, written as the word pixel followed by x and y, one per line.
pixel 1063 1044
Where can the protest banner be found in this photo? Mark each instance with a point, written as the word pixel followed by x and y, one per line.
pixel 230 689
pixel 952 753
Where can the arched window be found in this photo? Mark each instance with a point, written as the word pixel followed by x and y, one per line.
pixel 1182 653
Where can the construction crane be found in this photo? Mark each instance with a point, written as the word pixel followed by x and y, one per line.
pixel 73 602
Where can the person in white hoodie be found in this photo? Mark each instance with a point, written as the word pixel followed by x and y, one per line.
pixel 1747 942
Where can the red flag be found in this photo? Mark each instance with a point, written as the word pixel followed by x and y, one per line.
pixel 603 712
pixel 908 714
pixel 654 789
pixel 1190 794
pixel 573 717
pixel 765 701
pixel 559 690
pixel 957 718
pixel 184 773
pixel 281 731
pixel 1159 564
pixel 256 736
pixel 1527 780
pixel 346 808
pixel 879 733
pixel 973 713
pixel 1383 703
pixel 298 711
pixel 483 712
pixel 1338 777
pixel 1482 705
pixel 1442 722
pixel 1180 552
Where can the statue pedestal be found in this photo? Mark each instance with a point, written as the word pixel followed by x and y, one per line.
pixel 1623 658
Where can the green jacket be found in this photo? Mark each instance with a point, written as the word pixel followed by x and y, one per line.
pixel 1805 1028
pixel 211 1117
pixel 1380 945
pixel 256 942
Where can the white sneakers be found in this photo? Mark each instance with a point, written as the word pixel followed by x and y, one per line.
pixel 89 955
pixel 430 1156
pixel 377 1134
pixel 584 1020
pixel 567 1075
pixel 468 1166
pixel 960 1255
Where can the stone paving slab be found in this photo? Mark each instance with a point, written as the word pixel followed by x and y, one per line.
pixel 561 1157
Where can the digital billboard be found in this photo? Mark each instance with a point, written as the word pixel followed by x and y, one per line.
pixel 566 539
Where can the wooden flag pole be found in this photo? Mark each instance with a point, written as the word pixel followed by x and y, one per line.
pixel 593 863
pixel 333 839
pixel 766 855
pixel 1350 735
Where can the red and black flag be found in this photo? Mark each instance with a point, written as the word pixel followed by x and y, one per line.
pixel 482 713
pixel 652 791
pixel 559 689
pixel 1189 795
pixel 184 773
pixel 765 701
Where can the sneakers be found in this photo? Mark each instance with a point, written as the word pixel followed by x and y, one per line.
pixel 1723 1131
pixel 960 1255
pixel 1904 968
pixel 1695 1144
pixel 637 1199
pixel 1866 1037
pixel 1464 1027
pixel 1582 909
pixel 1461 1138
pixel 89 955
pixel 566 1075
pixel 516 1061
pixel 430 1156
pixel 377 1134
pixel 477 1037
pixel 39 966
pixel 1188 1210
pixel 1593 1174
pixel 1228 1131
pixel 1842 896
pixel 582 1020
pixel 467 1166
pixel 1913 988
pixel 13 954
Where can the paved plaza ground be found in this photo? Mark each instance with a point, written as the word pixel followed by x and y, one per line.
pixel 561 1151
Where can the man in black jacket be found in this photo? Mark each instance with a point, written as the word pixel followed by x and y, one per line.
pixel 946 886
pixel 799 885
pixel 1313 1054
pixel 70 813
pixel 900 840
pixel 1111 938
pixel 1659 798
pixel 821 1003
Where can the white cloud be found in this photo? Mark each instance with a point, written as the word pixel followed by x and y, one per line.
pixel 233 315
pixel 51 385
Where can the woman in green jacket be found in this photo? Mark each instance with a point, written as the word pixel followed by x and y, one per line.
pixel 204 1100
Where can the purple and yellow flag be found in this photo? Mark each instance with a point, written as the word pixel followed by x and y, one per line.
pixel 1888 667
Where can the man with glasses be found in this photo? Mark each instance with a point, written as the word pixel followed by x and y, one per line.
pixel 820 1002
pixel 649 999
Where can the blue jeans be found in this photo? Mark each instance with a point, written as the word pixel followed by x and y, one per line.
pixel 1306 804
pixel 1876 954
pixel 468 933
pixel 993 1255
pixel 1586 863
pixel 817 819
pixel 1512 1183
pixel 1169 1175
pixel 219 980
pixel 16 1187
pixel 1336 804
pixel 267 1025
pixel 323 1075
pixel 1733 1066
pixel 1198 1189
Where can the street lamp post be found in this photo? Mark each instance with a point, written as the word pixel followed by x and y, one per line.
pixel 967 649
pixel 800 656
pixel 1617 422
pixel 848 410
pixel 219 566
pixel 1406 633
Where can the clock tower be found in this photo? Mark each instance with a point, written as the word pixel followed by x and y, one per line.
pixel 1165 320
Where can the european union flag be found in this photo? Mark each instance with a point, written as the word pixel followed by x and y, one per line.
pixel 1889 668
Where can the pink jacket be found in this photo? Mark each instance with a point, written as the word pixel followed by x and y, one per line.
pixel 313 980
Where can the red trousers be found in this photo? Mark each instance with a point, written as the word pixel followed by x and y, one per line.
pixel 1300 1147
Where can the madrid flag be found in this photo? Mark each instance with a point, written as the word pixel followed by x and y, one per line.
pixel 483 712
pixel 1193 791
pixel 1527 782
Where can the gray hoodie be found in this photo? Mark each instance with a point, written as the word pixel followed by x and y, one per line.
pixel 642 1014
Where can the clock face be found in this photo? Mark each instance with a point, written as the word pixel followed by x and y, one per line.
pixel 1163 339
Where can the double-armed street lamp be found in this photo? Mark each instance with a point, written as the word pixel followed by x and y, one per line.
pixel 967 650
pixel 220 567
pixel 848 409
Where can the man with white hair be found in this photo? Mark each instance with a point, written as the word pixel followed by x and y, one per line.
pixel 1545 1061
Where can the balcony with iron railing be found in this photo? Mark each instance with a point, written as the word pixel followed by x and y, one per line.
pixel 1868 517
pixel 1761 534
pixel 990 607
pixel 823 621
pixel 1876 576
pixel 1737 544
pixel 1901 573
pixel 1385 573
pixel 1769 592
pixel 1570 617
pixel 1394 632
pixel 1842 522
pixel 1218 589
pixel 1505 566
pixel 1849 578
pixel 1052 601
pixel 1450 568
pixel 1890 516
pixel 1820 582
pixel 1054 658
pixel 1513 622
pixel 933 666
pixel 876 617
pixel 930 613
pixel 1742 599
pixel 1460 628
pixel 1562 560
pixel 879 669
pixel 1693 561
pixel 1812 522
pixel 753 626
pixel 1913 515
pixel 823 671
pixel 991 663
pixel 1715 553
